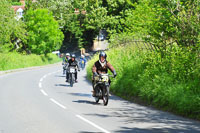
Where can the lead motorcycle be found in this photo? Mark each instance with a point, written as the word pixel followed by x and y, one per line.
pixel 102 88
pixel 71 71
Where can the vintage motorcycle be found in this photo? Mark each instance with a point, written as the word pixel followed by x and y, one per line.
pixel 101 88
pixel 64 68
pixel 71 71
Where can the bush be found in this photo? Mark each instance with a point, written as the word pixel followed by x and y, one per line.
pixel 16 3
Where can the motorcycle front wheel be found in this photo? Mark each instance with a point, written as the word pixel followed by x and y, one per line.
pixel 105 95
pixel 71 80
pixel 96 99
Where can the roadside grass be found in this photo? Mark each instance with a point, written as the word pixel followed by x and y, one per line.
pixel 165 83
pixel 15 60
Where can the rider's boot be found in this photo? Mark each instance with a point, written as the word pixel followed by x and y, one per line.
pixel 93 93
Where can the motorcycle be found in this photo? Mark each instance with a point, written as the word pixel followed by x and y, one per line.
pixel 82 64
pixel 72 71
pixel 64 67
pixel 102 88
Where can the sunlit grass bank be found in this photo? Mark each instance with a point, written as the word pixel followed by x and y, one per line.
pixel 15 60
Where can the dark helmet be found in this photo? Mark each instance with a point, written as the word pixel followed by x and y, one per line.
pixel 102 54
pixel 73 56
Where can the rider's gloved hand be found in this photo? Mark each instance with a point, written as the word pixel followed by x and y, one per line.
pixel 79 70
pixel 114 73
pixel 96 74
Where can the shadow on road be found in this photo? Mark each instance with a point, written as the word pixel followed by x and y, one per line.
pixel 89 132
pixel 62 76
pixel 154 130
pixel 86 102
pixel 63 85
pixel 146 120
pixel 81 94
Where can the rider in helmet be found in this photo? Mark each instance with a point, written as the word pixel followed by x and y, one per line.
pixel 101 67
pixel 67 57
pixel 82 61
pixel 65 62
pixel 73 62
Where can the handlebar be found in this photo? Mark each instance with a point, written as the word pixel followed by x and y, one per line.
pixel 109 75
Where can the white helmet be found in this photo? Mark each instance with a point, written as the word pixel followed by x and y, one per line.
pixel 67 54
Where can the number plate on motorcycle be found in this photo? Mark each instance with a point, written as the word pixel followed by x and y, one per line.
pixel 72 70
pixel 105 78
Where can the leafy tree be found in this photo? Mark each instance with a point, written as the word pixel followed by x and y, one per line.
pixel 12 32
pixel 44 34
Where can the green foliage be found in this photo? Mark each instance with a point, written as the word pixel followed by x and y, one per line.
pixel 15 60
pixel 16 3
pixel 44 35
pixel 90 18
pixel 15 0
pixel 165 22
pixel 171 82
pixel 11 30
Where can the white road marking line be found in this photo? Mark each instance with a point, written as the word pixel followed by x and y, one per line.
pixel 62 106
pixel 41 79
pixel 43 92
pixel 40 85
pixel 91 123
pixel 44 76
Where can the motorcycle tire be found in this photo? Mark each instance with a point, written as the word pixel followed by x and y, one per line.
pixel 71 80
pixel 105 96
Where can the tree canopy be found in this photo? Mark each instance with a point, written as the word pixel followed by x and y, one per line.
pixel 44 34
pixel 10 29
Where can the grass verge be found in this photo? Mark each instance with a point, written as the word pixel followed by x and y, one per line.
pixel 15 60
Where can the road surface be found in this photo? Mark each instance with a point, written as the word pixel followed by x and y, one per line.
pixel 40 101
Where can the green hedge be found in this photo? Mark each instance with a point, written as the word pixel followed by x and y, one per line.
pixel 16 3
pixel 15 60
pixel 170 83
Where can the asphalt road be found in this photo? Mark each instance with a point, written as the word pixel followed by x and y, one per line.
pixel 40 101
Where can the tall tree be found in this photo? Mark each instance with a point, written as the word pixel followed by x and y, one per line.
pixel 44 35
pixel 12 32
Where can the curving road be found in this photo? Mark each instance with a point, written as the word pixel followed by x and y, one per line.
pixel 40 101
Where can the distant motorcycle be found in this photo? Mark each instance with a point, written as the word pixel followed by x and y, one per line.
pixel 71 71
pixel 64 68
pixel 102 88
pixel 82 64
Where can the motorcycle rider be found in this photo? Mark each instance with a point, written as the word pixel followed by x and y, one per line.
pixel 67 58
pixel 101 67
pixel 65 62
pixel 82 61
pixel 73 63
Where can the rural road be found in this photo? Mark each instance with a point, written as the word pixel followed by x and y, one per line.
pixel 40 101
